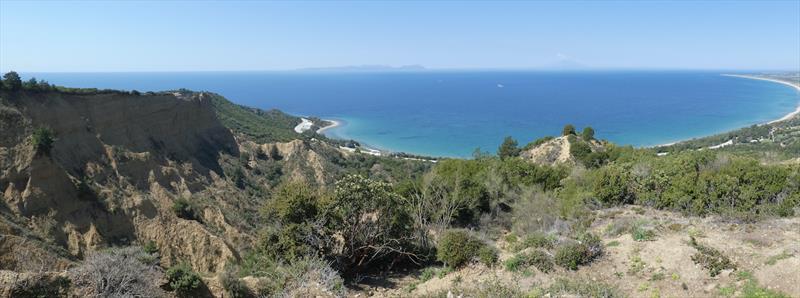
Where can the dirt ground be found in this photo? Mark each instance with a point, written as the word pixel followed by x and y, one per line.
pixel 766 254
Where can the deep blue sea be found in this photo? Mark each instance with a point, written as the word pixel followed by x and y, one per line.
pixel 450 113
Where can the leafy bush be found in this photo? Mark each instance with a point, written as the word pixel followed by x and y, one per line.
pixel 588 133
pixel 184 209
pixel 292 203
pixel 569 129
pixel 611 186
pixel 535 240
pixel 286 241
pixel 541 260
pixel 710 258
pixel 508 148
pixel 516 262
pixel 43 139
pixel 537 258
pixel 183 280
pixel 125 272
pixel 150 247
pixel 573 254
pixel 457 247
pixel 487 255
pixel 372 222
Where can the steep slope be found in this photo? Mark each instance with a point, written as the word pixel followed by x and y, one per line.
pixel 117 163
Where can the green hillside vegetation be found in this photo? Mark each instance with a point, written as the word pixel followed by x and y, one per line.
pixel 370 216
pixel 259 125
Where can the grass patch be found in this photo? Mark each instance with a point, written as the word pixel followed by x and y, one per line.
pixel 641 232
pixel 774 259
pixel 581 288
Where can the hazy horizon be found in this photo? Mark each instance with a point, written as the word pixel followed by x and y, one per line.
pixel 146 36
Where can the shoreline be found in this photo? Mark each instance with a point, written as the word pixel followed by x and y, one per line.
pixel 796 86
pixel 788 116
pixel 333 124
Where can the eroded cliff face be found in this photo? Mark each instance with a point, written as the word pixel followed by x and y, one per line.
pixel 118 163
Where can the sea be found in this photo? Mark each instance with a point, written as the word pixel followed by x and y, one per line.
pixel 453 113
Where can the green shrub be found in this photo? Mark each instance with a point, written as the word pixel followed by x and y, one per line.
pixel 487 255
pixel 292 203
pixel 184 209
pixel 457 247
pixel 183 280
pixel 641 233
pixel 427 274
pixel 43 139
pixel 516 262
pixel 588 133
pixel 541 260
pixel 570 255
pixel 508 148
pixel 233 286
pixel 574 254
pixel 537 258
pixel 710 258
pixel 150 247
pixel 611 186
pixel 373 222
pixel 511 238
pixel 285 242
pixel 536 240
pixel 569 129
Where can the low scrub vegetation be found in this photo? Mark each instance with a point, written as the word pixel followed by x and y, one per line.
pixel 536 258
pixel 124 272
pixel 571 254
pixel 710 258
pixel 458 247
pixel 183 280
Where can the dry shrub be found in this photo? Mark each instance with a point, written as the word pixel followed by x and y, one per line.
pixel 124 272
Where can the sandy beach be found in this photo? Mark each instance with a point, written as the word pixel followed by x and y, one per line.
pixel 333 124
pixel 794 85
pixel 303 126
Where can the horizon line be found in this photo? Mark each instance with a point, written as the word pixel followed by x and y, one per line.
pixel 390 69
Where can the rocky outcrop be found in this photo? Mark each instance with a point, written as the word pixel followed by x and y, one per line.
pixel 557 150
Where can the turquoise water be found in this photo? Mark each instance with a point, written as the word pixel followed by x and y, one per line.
pixel 450 113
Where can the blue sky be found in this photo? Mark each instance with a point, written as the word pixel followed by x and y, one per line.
pixel 38 36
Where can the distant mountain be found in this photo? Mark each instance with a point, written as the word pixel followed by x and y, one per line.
pixel 367 67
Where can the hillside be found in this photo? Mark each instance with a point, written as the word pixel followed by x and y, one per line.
pixel 185 194
pixel 119 164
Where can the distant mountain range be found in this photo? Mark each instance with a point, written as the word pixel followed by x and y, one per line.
pixel 367 67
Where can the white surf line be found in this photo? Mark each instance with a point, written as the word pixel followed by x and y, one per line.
pixel 333 124
pixel 303 126
pixel 793 85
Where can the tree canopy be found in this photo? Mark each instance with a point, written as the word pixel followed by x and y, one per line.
pixel 508 148
pixel 569 129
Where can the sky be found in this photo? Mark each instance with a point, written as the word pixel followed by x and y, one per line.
pixel 99 36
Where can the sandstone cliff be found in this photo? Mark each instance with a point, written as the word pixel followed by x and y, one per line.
pixel 118 162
